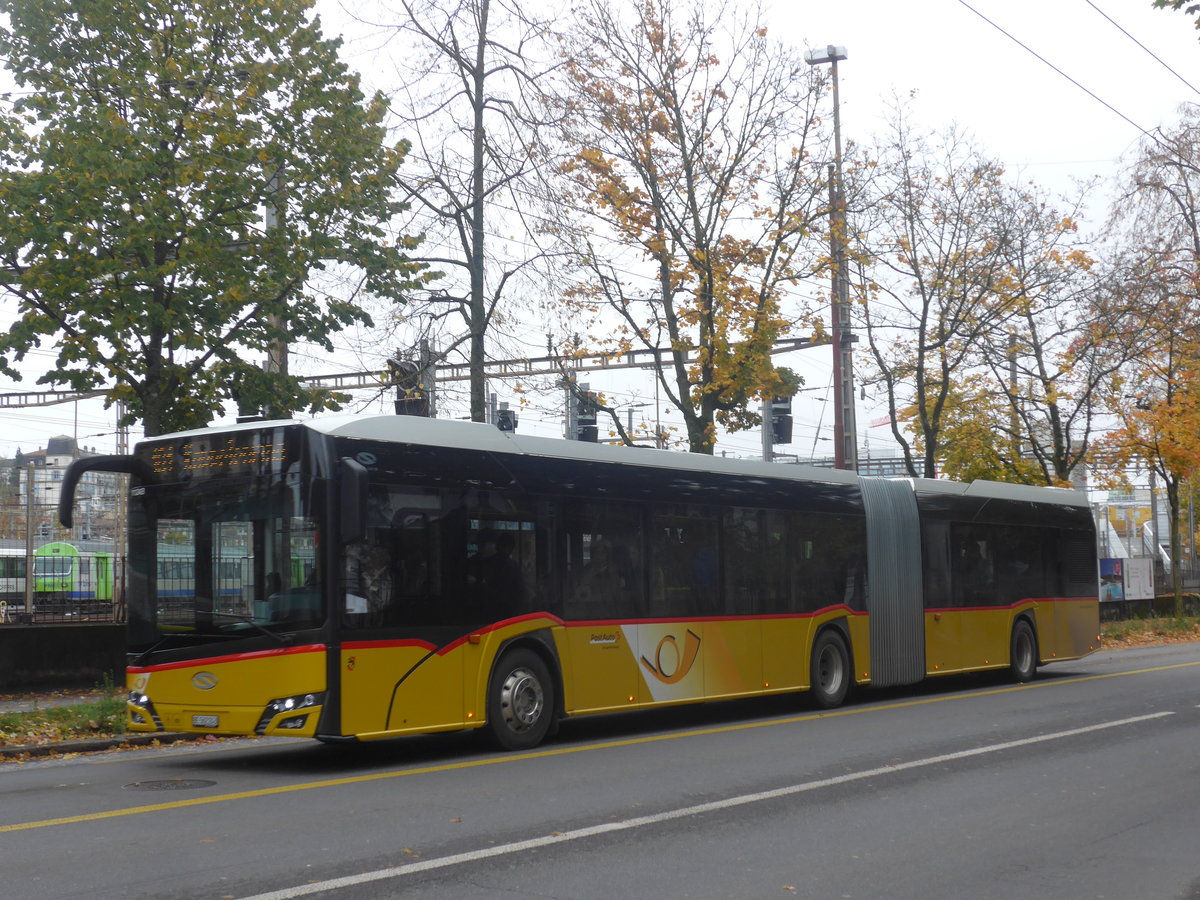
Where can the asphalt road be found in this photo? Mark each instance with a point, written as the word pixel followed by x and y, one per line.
pixel 1083 784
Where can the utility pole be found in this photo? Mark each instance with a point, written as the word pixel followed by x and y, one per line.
pixel 1014 387
pixel 29 493
pixel 121 485
pixel 844 427
pixel 768 443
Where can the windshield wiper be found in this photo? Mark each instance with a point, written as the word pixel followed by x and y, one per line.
pixel 281 638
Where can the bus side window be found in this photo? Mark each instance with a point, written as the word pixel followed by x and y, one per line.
pixel 973 566
pixel 936 549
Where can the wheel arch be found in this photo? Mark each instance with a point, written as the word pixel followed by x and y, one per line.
pixel 540 642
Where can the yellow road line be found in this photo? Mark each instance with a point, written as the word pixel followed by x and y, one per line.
pixel 561 751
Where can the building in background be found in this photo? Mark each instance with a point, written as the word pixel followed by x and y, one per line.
pixel 43 470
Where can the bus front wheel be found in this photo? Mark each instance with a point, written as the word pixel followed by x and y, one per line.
pixel 1023 655
pixel 520 701
pixel 830 670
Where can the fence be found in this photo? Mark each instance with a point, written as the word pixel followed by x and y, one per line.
pixel 83 592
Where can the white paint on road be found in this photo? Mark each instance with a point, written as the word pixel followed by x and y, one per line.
pixel 456 859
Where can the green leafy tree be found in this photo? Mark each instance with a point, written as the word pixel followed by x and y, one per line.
pixel 172 176
pixel 1188 6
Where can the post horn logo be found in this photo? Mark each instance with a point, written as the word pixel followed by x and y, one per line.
pixel 676 665
pixel 205 681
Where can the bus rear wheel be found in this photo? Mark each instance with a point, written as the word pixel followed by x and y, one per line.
pixel 1023 658
pixel 520 706
pixel 830 670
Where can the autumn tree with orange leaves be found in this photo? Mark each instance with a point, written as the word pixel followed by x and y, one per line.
pixel 1156 397
pixel 1158 409
pixel 689 139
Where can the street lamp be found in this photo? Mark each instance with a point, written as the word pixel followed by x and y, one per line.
pixel 845 438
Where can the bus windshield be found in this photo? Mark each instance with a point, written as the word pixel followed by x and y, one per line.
pixel 231 556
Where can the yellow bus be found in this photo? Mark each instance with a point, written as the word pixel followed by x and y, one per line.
pixel 466 578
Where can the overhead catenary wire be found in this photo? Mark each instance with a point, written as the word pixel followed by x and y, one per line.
pixel 1060 72
pixel 1149 52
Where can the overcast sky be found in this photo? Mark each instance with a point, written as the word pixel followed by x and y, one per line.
pixel 963 60
pixel 962 69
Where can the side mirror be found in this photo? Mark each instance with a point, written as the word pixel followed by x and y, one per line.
pixel 130 465
pixel 353 499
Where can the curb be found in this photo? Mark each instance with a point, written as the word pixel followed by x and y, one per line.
pixel 13 751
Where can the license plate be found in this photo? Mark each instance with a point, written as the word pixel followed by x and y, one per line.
pixel 205 721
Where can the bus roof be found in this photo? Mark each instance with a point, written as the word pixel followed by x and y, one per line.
pixel 488 438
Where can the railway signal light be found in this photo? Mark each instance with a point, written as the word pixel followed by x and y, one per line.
pixel 781 420
pixel 586 410
pixel 506 419
pixel 411 397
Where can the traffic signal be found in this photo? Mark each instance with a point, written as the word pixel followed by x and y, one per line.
pixel 781 420
pixel 585 417
pixel 411 396
pixel 506 419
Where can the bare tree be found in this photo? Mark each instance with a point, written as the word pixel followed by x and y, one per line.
pixel 940 278
pixel 467 68
pixel 1063 338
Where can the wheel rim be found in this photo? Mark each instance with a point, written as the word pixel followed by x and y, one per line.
pixel 522 700
pixel 830 670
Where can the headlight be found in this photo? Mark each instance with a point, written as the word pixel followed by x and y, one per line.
pixel 297 703
pixel 139 705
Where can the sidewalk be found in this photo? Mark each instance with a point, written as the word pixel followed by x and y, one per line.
pixel 22 701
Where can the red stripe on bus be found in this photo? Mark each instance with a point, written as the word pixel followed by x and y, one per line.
pixel 671 620
pixel 232 657
pixel 495 626
pixel 384 644
pixel 1026 602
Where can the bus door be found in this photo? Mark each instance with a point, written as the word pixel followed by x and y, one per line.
pixel 686 632
pixel 103 572
pixel 599 559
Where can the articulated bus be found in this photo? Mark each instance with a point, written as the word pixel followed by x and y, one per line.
pixel 460 577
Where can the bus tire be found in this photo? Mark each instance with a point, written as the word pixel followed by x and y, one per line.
pixel 1023 652
pixel 520 707
pixel 829 669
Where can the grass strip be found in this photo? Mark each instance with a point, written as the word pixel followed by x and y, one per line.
pixel 93 718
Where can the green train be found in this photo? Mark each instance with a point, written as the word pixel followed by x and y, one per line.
pixel 63 574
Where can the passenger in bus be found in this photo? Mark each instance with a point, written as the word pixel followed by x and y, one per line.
pixel 368 581
pixel 496 579
pixel 600 582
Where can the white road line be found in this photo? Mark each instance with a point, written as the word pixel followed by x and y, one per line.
pixel 456 859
